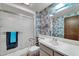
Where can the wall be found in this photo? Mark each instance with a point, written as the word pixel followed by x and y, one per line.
pixel 37 23
pixel 57 22
pixel 44 23
pixel 58 27
pixel 11 22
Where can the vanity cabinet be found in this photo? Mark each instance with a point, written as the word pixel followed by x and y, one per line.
pixel 57 54
pixel 46 51
pixel 42 53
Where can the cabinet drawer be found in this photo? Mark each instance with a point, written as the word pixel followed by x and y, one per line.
pixel 46 49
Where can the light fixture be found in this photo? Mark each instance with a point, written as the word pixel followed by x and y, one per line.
pixel 27 4
pixel 51 15
pixel 58 6
pixel 62 9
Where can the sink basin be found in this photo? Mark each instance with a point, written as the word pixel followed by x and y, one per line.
pixel 54 43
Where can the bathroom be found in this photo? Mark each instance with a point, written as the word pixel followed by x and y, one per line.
pixel 39 29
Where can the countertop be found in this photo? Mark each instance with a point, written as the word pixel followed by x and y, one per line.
pixel 21 52
pixel 62 47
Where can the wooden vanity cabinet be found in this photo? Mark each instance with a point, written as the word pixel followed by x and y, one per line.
pixel 57 54
pixel 46 51
pixel 42 53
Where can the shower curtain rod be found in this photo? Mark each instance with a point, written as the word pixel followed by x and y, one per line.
pixel 15 13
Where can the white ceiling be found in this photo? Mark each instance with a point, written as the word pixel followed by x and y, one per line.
pixel 36 7
pixel 13 9
pixel 22 9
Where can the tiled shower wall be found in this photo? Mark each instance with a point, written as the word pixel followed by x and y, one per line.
pixel 57 23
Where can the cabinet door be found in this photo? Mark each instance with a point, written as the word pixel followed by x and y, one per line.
pixel 71 28
pixel 57 54
pixel 42 53
pixel 46 49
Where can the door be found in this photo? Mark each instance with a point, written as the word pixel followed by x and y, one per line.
pixel 71 28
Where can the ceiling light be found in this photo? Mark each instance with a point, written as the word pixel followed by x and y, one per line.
pixel 59 6
pixel 51 15
pixel 27 4
pixel 62 9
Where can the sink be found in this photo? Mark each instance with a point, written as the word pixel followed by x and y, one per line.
pixel 53 42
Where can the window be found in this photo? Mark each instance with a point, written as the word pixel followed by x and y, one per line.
pixel 11 40
pixel 13 37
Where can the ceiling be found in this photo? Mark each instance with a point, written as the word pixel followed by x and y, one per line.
pixel 23 9
pixel 36 7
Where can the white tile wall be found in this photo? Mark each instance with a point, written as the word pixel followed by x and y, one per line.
pixel 10 22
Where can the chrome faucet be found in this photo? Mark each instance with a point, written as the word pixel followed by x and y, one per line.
pixel 54 39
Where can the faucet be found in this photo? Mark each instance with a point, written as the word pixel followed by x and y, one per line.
pixel 54 39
